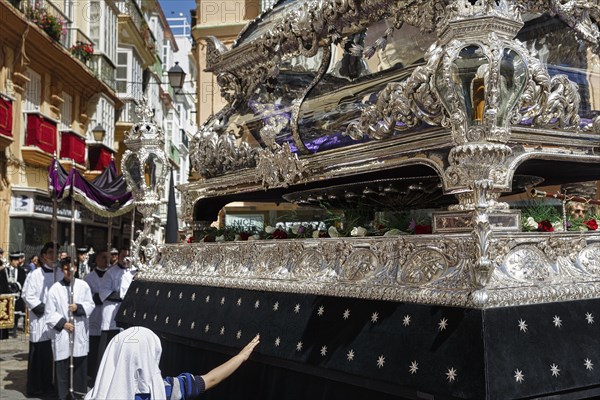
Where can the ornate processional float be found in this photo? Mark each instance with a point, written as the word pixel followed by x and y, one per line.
pixel 380 110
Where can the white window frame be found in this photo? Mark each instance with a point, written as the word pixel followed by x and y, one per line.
pixel 33 97
pixel 66 111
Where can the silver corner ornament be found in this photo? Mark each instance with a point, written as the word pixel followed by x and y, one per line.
pixel 145 168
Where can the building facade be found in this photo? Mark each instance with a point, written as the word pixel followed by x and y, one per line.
pixel 70 76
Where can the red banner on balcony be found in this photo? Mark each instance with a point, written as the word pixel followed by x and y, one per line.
pixel 99 157
pixel 6 120
pixel 72 146
pixel 41 132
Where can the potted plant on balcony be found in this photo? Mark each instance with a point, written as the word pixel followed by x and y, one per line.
pixel 82 50
pixel 53 25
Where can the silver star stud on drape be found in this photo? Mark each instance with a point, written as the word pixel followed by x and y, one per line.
pixel 414 367
pixel 179 322
pixel 406 320
pixel 277 341
pixel 257 304
pixel 222 331
pixel 207 299
pixel 442 324
pixel 207 328
pixel 193 296
pixel 134 314
pixel 519 377
pixel 589 318
pixel 320 311
pixel 557 321
pixel 380 361
pixel 276 306
pixel 169 294
pixel 157 292
pixel 299 346
pixel 297 308
pixel 346 314
pixel 588 364
pixel 522 325
pixel 222 300
pixel 144 316
pixel 167 320
pixel 324 351
pixel 239 302
pixel 155 317
pixel 238 335
pixel 350 355
pixel 147 291
pixel 374 317
pixel 180 295
pixel 192 325
pixel 555 370
pixel 451 375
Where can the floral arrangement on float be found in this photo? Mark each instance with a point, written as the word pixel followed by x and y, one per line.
pixel 547 218
pixel 353 225
pixel 53 25
pixel 82 50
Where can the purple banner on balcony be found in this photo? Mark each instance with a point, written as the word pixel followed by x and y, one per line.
pixel 106 195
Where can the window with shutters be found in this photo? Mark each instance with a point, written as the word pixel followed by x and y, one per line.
pixel 33 96
pixel 66 112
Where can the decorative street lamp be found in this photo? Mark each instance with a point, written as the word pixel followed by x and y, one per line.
pixel 99 132
pixel 176 77
pixel 145 168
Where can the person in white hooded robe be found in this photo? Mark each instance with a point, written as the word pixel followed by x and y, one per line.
pixel 35 290
pixel 58 309
pixel 129 370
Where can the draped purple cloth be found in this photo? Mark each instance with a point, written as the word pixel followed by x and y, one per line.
pixel 106 195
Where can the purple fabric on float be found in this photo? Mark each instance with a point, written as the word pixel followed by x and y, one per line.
pixel 107 191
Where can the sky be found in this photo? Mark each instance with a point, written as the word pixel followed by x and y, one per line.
pixel 172 8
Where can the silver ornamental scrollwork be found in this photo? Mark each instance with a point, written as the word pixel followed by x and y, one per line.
pixel 213 153
pixel 278 167
pixel 368 267
pixel 422 267
pixel 589 259
pixel 527 264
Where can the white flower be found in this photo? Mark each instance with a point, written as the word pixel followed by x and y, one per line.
pixel 531 224
pixel 394 232
pixel 269 229
pixel 256 236
pixel 295 228
pixel 315 234
pixel 220 238
pixel 558 226
pixel 358 231
pixel 333 232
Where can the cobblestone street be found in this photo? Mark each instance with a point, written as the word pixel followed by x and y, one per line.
pixel 13 368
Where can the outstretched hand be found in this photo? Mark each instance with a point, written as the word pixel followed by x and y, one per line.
pixel 245 352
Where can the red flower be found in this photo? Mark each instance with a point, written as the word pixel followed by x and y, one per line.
pixel 190 239
pixel 422 229
pixel 244 235
pixel 279 234
pixel 545 226
pixel 592 225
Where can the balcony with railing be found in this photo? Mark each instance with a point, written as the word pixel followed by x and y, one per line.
pixel 40 139
pixel 104 70
pixel 50 18
pixel 138 33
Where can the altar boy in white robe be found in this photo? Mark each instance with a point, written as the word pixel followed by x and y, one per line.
pixel 58 308
pixel 35 293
